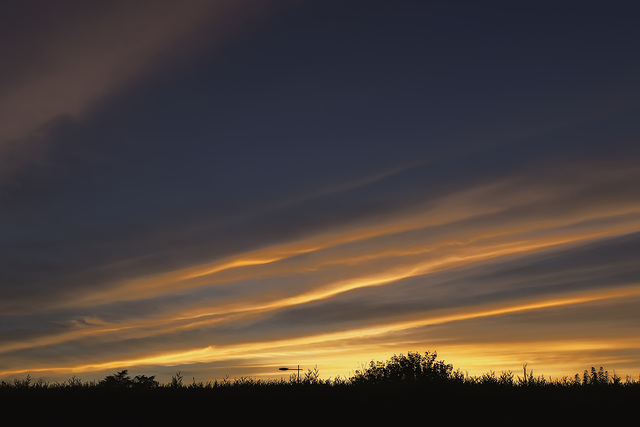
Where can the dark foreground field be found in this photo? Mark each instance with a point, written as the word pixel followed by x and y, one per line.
pixel 413 389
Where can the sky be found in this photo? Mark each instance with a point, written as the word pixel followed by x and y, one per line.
pixel 223 188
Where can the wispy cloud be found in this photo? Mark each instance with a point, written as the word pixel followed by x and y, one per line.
pixel 528 243
pixel 64 58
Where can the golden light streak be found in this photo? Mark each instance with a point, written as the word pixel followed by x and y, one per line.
pixel 190 318
pixel 477 203
pixel 473 255
pixel 208 275
pixel 376 254
pixel 449 209
pixel 212 353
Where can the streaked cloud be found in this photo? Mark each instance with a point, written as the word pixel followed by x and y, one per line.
pixel 490 251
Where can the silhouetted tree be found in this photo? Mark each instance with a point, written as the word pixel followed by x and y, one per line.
pixel 145 382
pixel 119 380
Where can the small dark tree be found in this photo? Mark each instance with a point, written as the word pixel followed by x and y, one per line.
pixel 145 382
pixel 120 380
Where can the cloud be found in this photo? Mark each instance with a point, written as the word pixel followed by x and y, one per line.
pixel 528 242
pixel 123 248
pixel 63 58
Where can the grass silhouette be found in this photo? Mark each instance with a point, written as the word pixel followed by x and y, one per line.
pixel 401 388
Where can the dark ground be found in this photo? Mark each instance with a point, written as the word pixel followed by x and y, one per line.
pixel 304 405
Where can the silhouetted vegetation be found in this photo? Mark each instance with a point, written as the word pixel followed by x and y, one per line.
pixel 121 380
pixel 396 388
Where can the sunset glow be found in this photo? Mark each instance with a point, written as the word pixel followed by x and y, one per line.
pixel 221 188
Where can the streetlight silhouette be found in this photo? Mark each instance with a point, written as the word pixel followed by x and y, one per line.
pixel 292 369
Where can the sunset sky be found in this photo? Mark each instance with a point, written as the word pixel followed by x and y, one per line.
pixel 226 187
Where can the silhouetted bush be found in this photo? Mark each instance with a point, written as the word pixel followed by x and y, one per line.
pixel 143 382
pixel 121 380
pixel 412 368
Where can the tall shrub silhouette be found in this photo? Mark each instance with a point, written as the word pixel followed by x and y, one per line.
pixel 144 382
pixel 122 380
pixel 117 381
pixel 412 368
